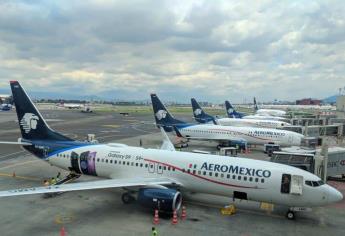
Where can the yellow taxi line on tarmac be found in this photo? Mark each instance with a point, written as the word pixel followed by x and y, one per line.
pixel 19 164
pixel 18 177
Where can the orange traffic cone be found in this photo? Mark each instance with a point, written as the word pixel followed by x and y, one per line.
pixel 156 218
pixel 14 174
pixel 184 213
pixel 62 231
pixel 174 219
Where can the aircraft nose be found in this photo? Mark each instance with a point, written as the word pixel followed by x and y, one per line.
pixel 334 195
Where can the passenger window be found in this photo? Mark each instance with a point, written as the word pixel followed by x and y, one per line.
pixel 204 173
pixel 285 183
pixel 216 174
pixel 136 164
pixel 106 160
pixel 222 175
pixel 234 177
pixel 199 172
pixel 245 178
pixel 262 180
pixel 141 164
pixel 239 177
pixel 168 167
pixel 193 171
pixel 115 161
pixel 111 161
pixel 250 179
pixel 146 165
pixel 256 179
pixel 210 173
pixel 228 176
pixel 97 159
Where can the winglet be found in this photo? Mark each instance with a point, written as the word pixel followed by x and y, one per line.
pixel 167 144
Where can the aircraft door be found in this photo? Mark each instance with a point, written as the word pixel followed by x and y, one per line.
pixel 296 184
pixel 285 184
pixel 75 163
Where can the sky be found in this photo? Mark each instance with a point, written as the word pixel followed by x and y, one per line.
pixel 210 50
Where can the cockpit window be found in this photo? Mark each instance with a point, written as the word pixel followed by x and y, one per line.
pixel 314 183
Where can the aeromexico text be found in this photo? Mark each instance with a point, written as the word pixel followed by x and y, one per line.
pixel 236 170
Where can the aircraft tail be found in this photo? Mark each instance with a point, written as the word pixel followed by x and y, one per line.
pixel 162 115
pixel 31 123
pixel 231 112
pixel 199 114
pixel 255 105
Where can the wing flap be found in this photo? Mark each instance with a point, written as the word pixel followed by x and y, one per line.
pixel 99 184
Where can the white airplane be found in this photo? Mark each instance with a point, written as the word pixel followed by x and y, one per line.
pixel 232 113
pixel 268 112
pixel 70 105
pixel 155 175
pixel 222 134
pixel 202 117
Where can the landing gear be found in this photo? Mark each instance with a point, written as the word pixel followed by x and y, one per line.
pixel 127 198
pixel 290 215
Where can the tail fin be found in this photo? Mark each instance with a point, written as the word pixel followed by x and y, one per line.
pixel 255 105
pixel 31 123
pixel 199 114
pixel 162 115
pixel 231 112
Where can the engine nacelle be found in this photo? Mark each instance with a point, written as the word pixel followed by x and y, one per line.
pixel 166 200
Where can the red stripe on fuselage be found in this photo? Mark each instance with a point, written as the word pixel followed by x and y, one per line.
pixel 200 177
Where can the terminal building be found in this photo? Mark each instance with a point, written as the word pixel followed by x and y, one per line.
pixel 308 101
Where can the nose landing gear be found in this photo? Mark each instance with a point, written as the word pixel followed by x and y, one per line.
pixel 290 215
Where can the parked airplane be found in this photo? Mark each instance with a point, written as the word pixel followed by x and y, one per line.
pixel 156 175
pixel 232 113
pixel 265 112
pixel 202 117
pixel 219 133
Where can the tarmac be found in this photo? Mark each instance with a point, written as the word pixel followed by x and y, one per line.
pixel 101 212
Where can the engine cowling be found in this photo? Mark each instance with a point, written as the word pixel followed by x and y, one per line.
pixel 166 200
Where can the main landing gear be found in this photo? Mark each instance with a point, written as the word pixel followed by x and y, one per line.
pixel 127 198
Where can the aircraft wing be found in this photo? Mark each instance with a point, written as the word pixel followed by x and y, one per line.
pixel 98 184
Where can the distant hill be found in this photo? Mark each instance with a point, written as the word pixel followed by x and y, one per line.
pixel 330 100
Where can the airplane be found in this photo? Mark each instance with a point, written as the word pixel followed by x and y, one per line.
pixel 219 133
pixel 70 105
pixel 160 177
pixel 265 112
pixel 202 117
pixel 232 113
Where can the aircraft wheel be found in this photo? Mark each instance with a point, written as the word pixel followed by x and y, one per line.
pixel 127 198
pixel 290 215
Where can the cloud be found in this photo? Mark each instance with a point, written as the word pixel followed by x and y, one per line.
pixel 212 50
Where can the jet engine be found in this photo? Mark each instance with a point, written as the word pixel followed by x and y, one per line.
pixel 166 200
